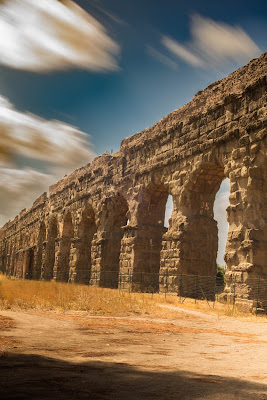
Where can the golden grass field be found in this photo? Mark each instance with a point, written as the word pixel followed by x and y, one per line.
pixel 43 295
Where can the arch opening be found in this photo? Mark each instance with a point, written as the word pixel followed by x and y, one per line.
pixel 220 204
pixel 191 244
pixel 168 211
pixel 201 232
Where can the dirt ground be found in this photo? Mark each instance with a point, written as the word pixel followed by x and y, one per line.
pixel 193 355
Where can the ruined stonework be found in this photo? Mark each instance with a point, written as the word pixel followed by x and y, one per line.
pixel 106 219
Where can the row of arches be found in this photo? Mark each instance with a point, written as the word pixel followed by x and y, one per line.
pixel 85 245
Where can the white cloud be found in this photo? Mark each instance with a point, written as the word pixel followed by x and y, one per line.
pixel 33 137
pixel 19 188
pixel 177 49
pixel 162 58
pixel 213 43
pixel 220 205
pixel 51 35
pixel 62 147
pixel 168 211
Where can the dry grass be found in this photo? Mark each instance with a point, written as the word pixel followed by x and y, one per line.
pixel 30 295
pixel 36 295
pixel 214 308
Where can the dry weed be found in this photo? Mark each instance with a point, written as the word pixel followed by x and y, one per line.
pixel 41 295
pixel 25 295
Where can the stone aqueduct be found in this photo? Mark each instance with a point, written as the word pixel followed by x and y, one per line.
pixel 109 214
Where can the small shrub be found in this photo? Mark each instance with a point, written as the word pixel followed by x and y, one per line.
pixel 220 281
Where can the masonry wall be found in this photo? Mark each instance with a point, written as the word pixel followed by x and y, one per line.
pixel 108 216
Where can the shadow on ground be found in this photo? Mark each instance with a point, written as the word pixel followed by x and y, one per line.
pixel 35 377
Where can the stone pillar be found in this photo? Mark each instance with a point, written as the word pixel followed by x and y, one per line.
pixel 48 259
pixel 13 258
pixel 189 250
pixel 2 257
pixel 44 274
pixel 8 261
pixel 18 271
pixel 29 263
pixel 36 264
pixel 61 267
pixel 21 264
pixel 140 257
pixel 106 248
pixel 246 256
pixel 57 258
pixel 8 258
pixel 80 261
pixel 97 248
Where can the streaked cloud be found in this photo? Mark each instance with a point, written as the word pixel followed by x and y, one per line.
pixel 49 35
pixel 33 137
pixel 19 188
pixel 213 43
pixel 162 58
pixel 178 50
pixel 60 147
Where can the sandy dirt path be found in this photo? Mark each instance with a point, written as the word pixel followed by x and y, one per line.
pixel 77 356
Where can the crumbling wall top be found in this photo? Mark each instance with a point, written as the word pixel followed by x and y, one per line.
pixel 233 85
pixel 68 180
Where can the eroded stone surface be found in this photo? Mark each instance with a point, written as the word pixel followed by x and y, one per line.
pixel 109 215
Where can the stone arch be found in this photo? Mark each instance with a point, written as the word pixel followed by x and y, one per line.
pixel 190 246
pixel 81 247
pixel 246 256
pixel 48 251
pixel 112 220
pixel 62 265
pixel 142 240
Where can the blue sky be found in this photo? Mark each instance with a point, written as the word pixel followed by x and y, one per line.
pixel 153 57
pixel 116 104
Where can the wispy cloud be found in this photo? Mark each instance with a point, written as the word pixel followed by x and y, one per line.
pixel 51 35
pixel 213 43
pixel 60 146
pixel 34 137
pixel 113 17
pixel 162 58
pixel 180 51
pixel 19 188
